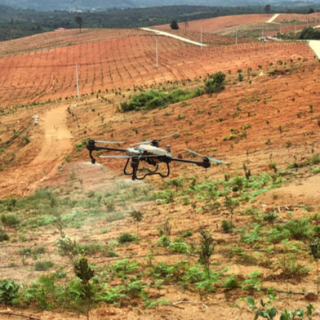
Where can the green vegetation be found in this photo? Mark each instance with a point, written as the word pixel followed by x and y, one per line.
pixel 267 311
pixel 215 82
pixel 309 34
pixel 156 99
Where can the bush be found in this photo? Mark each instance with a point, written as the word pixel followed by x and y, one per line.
pixel 9 220
pixel 215 83
pixel 4 237
pixel 8 291
pixel 43 265
pixel 226 225
pixel 154 99
pixel 127 237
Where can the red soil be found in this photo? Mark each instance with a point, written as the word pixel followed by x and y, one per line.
pixel 289 17
pixel 127 62
pixel 62 38
pixel 221 24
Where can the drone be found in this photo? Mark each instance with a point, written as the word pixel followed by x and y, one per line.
pixel 148 152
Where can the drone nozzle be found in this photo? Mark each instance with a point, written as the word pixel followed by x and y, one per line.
pixel 90 146
pixel 155 143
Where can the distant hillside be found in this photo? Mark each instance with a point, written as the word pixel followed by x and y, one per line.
pixel 110 4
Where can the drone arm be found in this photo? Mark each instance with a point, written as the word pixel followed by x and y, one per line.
pixel 205 163
pixel 92 147
pixel 95 148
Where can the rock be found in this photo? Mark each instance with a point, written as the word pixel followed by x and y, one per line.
pixel 311 296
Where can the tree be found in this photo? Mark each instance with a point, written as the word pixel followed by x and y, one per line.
pixel 311 10
pixel 79 21
pixel 267 8
pixel 174 25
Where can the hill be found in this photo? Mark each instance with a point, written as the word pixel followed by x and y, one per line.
pixel 185 247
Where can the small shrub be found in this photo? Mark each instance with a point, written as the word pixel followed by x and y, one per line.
pixel 4 237
pixel 164 241
pixel 9 220
pixel 43 265
pixel 127 237
pixel 226 225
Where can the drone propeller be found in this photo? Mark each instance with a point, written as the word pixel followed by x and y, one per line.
pixel 127 157
pixel 98 141
pixel 211 159
pixel 150 141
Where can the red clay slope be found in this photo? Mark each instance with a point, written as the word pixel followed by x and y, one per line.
pixel 126 62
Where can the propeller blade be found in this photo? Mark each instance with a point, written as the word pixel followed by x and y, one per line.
pixel 211 159
pixel 98 141
pixel 146 142
pixel 116 157
pixel 129 157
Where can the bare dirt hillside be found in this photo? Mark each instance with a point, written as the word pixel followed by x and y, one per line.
pixel 261 209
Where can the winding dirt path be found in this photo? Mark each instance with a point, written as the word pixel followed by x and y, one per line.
pixel 273 18
pixel 55 146
pixel 162 33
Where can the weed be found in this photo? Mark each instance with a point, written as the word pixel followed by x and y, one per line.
pixel 9 220
pixel 43 265
pixel 270 217
pixel 226 225
pixel 127 237
pixel 253 281
pixel 4 237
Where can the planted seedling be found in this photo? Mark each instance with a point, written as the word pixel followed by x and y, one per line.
pixel 314 248
pixel 84 272
pixel 137 216
pixel 206 248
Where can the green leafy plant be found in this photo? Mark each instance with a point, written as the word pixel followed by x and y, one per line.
pixel 253 281
pixel 180 247
pixel 164 241
pixel 265 311
pixel 8 291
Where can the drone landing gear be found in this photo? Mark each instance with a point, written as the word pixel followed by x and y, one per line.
pixel 135 168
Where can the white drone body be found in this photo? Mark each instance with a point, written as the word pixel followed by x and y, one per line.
pixel 148 149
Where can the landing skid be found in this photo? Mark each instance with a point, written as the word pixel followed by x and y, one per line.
pixel 135 168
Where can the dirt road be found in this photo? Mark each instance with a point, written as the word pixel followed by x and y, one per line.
pixel 162 33
pixel 55 146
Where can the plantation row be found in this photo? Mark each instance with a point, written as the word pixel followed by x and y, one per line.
pixel 62 38
pixel 220 24
pixel 126 62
